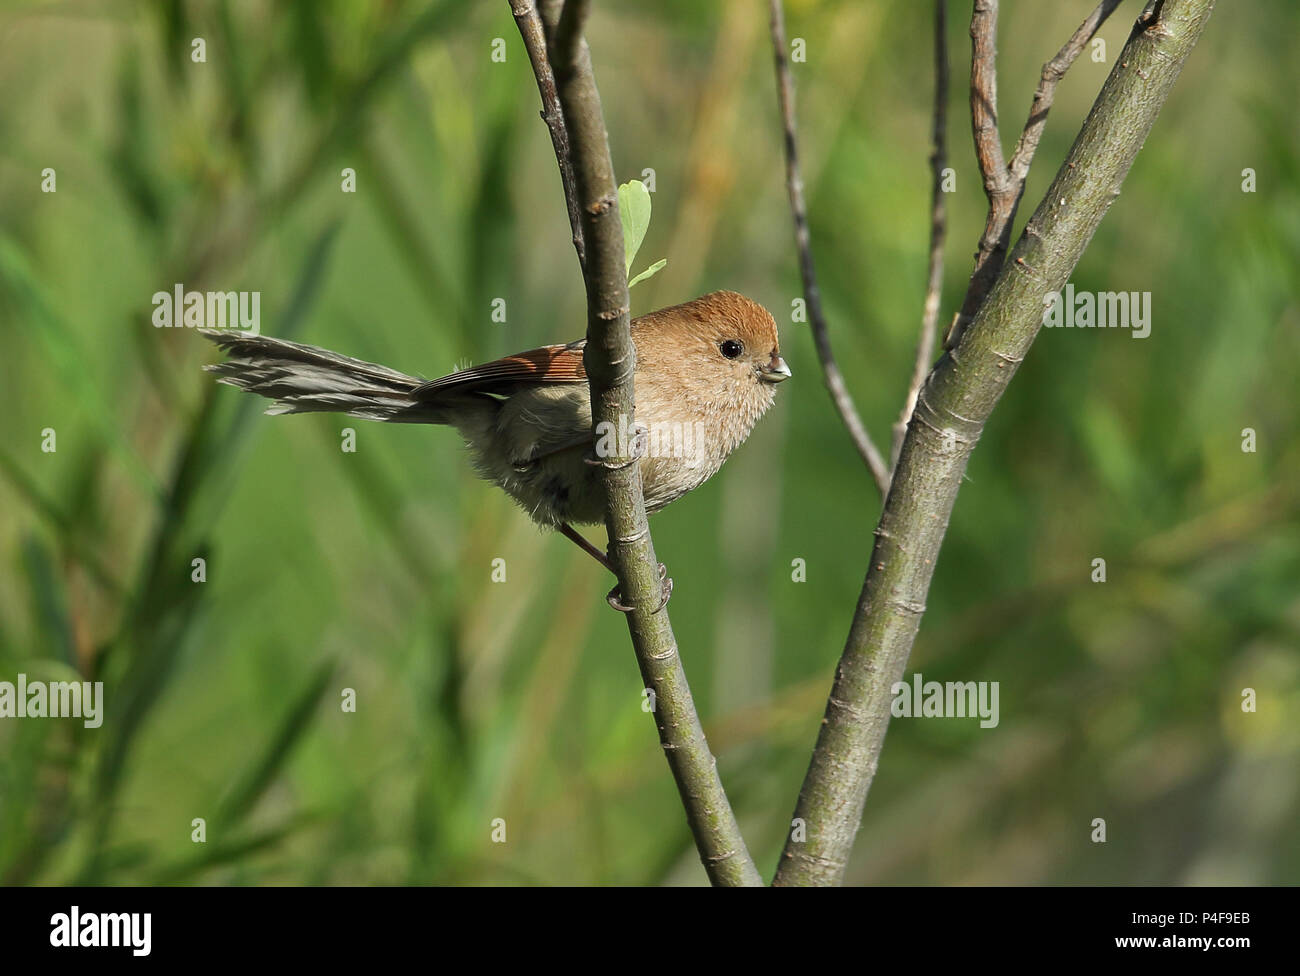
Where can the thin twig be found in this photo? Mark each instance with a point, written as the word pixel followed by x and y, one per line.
pixel 1004 183
pixel 812 295
pixel 1053 71
pixel 532 30
pixel 610 360
pixel 938 227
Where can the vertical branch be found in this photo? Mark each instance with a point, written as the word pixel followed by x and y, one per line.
pixel 951 412
pixel 812 295
pixel 531 29
pixel 938 227
pixel 610 360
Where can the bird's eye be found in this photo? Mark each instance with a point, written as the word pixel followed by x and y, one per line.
pixel 731 348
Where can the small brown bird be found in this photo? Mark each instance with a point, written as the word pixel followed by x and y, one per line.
pixel 706 371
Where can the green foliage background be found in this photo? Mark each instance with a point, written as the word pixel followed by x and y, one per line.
pixel 521 700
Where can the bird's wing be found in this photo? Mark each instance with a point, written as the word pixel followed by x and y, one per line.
pixel 549 364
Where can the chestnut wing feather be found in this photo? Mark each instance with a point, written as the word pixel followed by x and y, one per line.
pixel 548 364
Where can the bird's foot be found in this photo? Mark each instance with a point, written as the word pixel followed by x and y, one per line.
pixel 615 598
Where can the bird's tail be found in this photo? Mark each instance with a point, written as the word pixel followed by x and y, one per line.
pixel 308 379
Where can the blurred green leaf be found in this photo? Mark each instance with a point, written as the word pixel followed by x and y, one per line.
pixel 259 775
pixel 75 541
pixel 60 340
pixel 50 600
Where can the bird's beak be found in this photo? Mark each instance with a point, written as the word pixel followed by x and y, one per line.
pixel 774 372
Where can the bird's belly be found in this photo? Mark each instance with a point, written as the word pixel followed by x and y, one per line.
pixel 560 487
pixel 558 482
pixel 565 487
pixel 665 479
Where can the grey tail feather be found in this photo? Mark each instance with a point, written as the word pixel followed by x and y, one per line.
pixel 308 379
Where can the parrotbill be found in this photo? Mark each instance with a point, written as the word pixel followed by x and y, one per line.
pixel 706 371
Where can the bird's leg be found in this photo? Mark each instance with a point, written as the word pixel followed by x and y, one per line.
pixel 640 438
pixel 613 596
pixel 569 532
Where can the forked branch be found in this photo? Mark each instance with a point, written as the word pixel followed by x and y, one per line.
pixel 1004 183
pixel 951 411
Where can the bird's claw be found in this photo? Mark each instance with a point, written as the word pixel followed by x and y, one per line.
pixel 614 597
